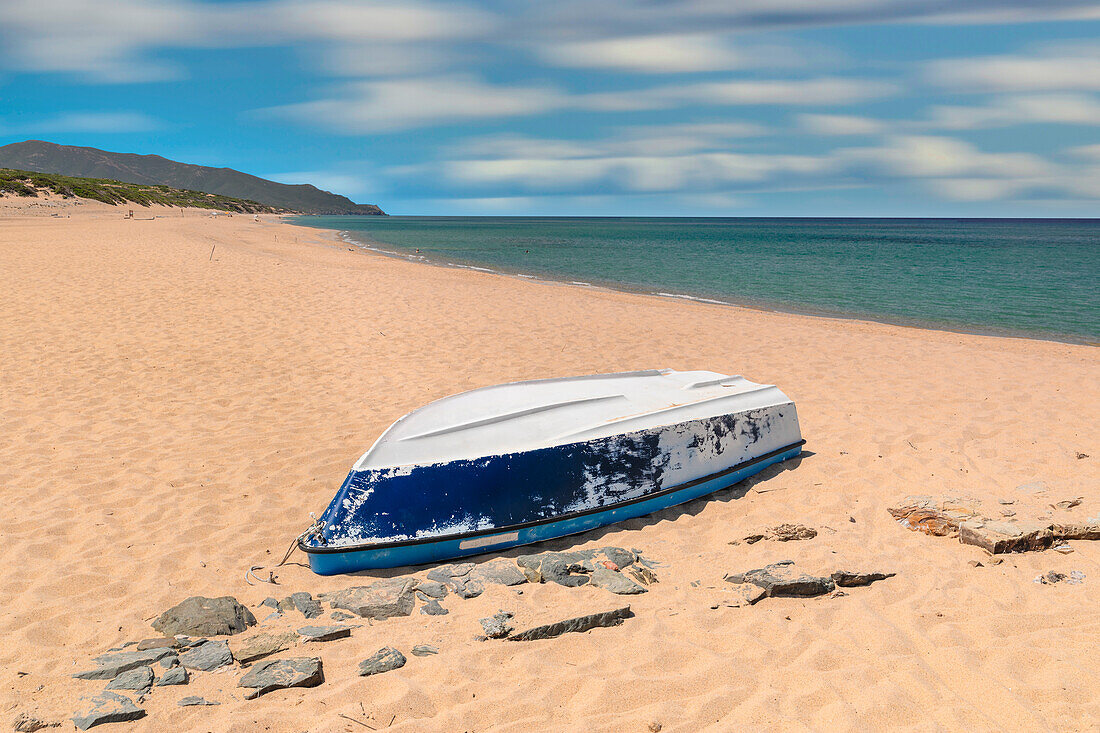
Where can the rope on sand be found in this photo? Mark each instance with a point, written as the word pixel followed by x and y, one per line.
pixel 249 576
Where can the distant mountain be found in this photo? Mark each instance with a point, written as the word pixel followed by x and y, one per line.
pixel 70 160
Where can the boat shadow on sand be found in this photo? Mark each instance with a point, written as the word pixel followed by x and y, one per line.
pixel 690 508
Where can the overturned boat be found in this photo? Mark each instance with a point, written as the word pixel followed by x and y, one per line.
pixel 519 463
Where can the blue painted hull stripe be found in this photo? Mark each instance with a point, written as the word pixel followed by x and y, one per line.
pixel 335 560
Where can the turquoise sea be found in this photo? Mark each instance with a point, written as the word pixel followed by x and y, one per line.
pixel 1038 278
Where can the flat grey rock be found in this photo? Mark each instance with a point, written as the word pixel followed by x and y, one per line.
pixel 278 674
pixel 208 657
pixel 255 648
pixel 424 650
pixel 622 557
pixel 303 603
pixel 744 594
pixel 779 580
pixel 498 572
pixel 270 603
pixel 200 616
pixel 174 676
pixel 340 616
pixel 381 599
pixel 614 581
pixel 845 579
pixel 444 573
pixel 106 707
pixel 324 633
pixel 167 642
pixel 193 700
pixel 385 659
pixel 109 666
pixel 470 589
pixel 431 589
pixel 574 625
pixel 432 608
pixel 139 679
pixel 459 578
pixel 498 625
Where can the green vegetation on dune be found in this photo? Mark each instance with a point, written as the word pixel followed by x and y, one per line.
pixel 27 183
pixel 153 170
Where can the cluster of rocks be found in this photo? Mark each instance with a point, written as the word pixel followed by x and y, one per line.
pixel 623 572
pixel 620 571
pixel 783 580
pixel 961 518
pixel 301 602
pixel 184 647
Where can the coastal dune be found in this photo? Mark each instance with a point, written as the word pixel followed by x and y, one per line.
pixel 178 393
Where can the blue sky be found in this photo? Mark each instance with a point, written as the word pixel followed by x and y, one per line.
pixel 619 107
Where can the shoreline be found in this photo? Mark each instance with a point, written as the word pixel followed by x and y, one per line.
pixel 778 308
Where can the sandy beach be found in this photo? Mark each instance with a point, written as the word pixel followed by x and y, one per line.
pixel 179 393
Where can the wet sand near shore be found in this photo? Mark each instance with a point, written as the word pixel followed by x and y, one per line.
pixel 178 393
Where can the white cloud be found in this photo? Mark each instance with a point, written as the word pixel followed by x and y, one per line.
pixel 568 18
pixel 117 41
pixel 638 204
pixel 956 170
pixel 820 124
pixel 1065 66
pixel 926 156
pixel 120 40
pixel 395 104
pixel 94 39
pixel 102 122
pixel 1089 152
pixel 665 54
pixel 1000 111
pixel 700 171
pixel 825 91
pixel 1080 109
pixel 949 168
pixel 646 140
pixel 359 22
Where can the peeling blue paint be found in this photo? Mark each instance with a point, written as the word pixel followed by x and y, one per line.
pixel 389 505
